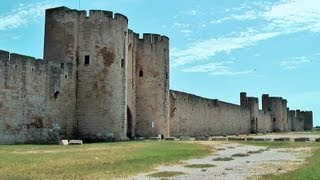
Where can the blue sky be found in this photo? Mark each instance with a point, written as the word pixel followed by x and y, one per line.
pixel 218 48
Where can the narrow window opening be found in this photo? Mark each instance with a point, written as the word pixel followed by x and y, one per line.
pixel 122 62
pixel 15 66
pixel 31 69
pixel 269 109
pixel 140 73
pixel 274 119
pixel 56 94
pixel 65 76
pixel 167 76
pixel 62 65
pixel 86 60
pixel 5 64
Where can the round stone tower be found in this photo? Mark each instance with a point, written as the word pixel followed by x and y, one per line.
pixel 152 86
pixel 277 107
pixel 97 46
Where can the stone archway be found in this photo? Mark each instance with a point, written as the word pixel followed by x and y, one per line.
pixel 129 124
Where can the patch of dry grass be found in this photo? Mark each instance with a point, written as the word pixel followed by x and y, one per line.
pixel 166 174
pixel 92 161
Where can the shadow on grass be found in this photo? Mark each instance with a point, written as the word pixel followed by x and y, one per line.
pixel 200 165
pixel 166 174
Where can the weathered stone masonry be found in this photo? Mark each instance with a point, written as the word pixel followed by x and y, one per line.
pixel 99 81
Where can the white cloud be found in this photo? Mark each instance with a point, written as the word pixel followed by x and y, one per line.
pixel 216 68
pixel 208 48
pixel 186 31
pixel 193 12
pixel 180 25
pixel 24 14
pixel 282 18
pixel 295 62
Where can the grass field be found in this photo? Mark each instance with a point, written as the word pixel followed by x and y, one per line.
pixel 92 161
pixel 309 170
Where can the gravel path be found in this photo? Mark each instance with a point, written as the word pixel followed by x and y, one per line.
pixel 266 161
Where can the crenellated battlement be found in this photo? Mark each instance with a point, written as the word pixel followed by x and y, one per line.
pixel 14 58
pixel 16 61
pixel 65 13
pixel 154 38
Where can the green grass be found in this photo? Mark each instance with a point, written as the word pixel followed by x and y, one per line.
pixel 275 145
pixel 223 159
pixel 309 170
pixel 240 155
pixel 200 165
pixel 166 174
pixel 92 161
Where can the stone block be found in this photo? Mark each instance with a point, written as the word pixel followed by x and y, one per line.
pixel 302 139
pixel 185 138
pixel 155 138
pixel 75 142
pixel 202 138
pixel 64 142
pixel 236 138
pixel 139 138
pixel 282 139
pixel 218 139
pixel 170 139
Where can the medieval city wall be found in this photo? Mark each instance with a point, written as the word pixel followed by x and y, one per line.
pixel 26 94
pixel 152 85
pixel 99 81
pixel 264 122
pixel 192 115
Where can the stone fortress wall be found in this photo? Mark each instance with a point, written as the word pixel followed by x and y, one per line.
pixel 99 81
pixel 192 115
pixel 32 109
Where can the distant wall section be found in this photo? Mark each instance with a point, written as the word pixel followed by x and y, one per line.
pixel 192 115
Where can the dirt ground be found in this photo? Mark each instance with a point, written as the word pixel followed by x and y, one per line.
pixel 251 162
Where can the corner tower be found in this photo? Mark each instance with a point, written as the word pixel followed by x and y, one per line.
pixel 277 107
pixel 152 86
pixel 251 103
pixel 97 46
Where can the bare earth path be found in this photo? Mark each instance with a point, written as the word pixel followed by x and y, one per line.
pixel 259 161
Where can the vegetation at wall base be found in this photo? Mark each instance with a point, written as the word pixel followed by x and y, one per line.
pixel 309 170
pixel 92 161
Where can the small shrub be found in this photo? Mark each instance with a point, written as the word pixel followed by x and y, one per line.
pixel 166 174
pixel 200 165
pixel 240 155
pixel 223 159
